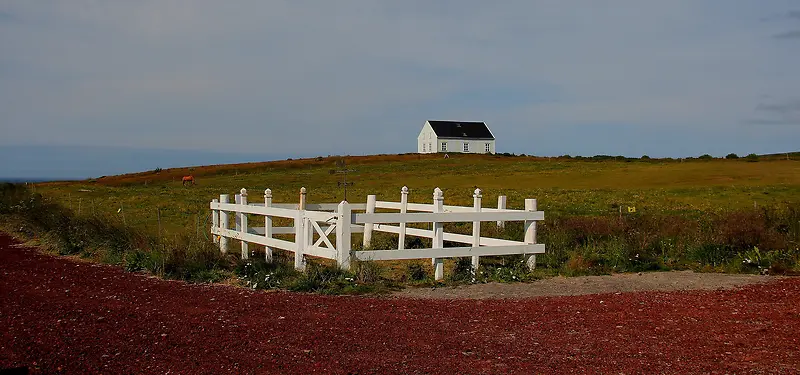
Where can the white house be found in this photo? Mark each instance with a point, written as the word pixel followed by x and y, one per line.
pixel 455 136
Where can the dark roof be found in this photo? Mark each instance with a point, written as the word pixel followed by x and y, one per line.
pixel 461 129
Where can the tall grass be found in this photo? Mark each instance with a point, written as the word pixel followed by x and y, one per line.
pixel 106 239
pixel 742 240
pixel 712 242
pixel 184 256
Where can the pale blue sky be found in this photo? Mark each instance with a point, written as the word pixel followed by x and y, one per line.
pixel 306 78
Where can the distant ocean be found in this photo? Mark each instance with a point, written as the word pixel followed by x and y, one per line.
pixel 15 180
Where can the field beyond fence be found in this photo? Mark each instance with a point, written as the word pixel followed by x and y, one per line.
pixel 602 216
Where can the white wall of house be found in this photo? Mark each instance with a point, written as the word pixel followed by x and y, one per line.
pixel 474 146
pixel 426 141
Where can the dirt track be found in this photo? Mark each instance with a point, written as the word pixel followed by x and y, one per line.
pixel 576 286
pixel 69 317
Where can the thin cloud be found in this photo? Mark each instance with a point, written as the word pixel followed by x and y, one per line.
pixel 782 108
pixel 794 34
pixel 771 122
pixel 783 113
pixel 6 17
pixel 787 15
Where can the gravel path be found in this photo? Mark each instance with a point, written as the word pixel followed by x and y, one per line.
pixel 575 286
pixel 61 316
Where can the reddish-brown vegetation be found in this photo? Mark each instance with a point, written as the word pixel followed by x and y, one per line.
pixel 61 316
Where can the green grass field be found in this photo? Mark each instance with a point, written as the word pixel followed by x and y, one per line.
pixel 562 187
pixel 706 214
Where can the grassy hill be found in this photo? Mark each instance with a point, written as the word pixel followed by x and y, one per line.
pixel 735 215
pixel 562 186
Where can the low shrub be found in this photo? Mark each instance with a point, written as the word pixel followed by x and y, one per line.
pixel 462 271
pixel 416 272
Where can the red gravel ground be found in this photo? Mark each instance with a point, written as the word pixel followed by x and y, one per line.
pixel 61 316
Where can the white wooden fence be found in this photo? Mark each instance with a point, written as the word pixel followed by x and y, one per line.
pixel 315 223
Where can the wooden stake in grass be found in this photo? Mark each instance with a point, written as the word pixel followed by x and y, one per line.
pixel 501 205
pixel 268 224
pixel 476 231
pixel 223 224
pixel 300 232
pixel 401 241
pixel 438 234
pixel 530 233
pixel 243 224
pixel 368 227
pixel 214 222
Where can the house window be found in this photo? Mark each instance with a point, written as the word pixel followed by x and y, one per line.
pixel 466 147
pixel 444 146
pixel 487 147
pixel 430 147
pixel 423 147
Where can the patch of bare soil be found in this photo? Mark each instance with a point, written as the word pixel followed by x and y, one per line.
pixel 575 286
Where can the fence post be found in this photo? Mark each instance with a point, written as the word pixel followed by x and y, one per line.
pixel 501 205
pixel 401 241
pixel 343 245
pixel 215 222
pixel 237 219
pixel 245 245
pixel 223 224
pixel 438 233
pixel 368 226
pixel 476 231
pixel 300 232
pixel 268 224
pixel 309 235
pixel 530 232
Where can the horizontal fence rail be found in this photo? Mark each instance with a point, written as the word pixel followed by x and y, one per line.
pixel 315 224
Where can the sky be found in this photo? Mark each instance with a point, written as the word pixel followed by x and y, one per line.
pixel 276 79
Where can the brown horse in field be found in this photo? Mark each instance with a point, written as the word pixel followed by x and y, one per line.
pixel 189 179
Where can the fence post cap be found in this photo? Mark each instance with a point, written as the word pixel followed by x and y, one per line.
pixel 404 190
pixel 243 192
pixel 268 193
pixel 437 193
pixel 477 193
pixel 302 190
